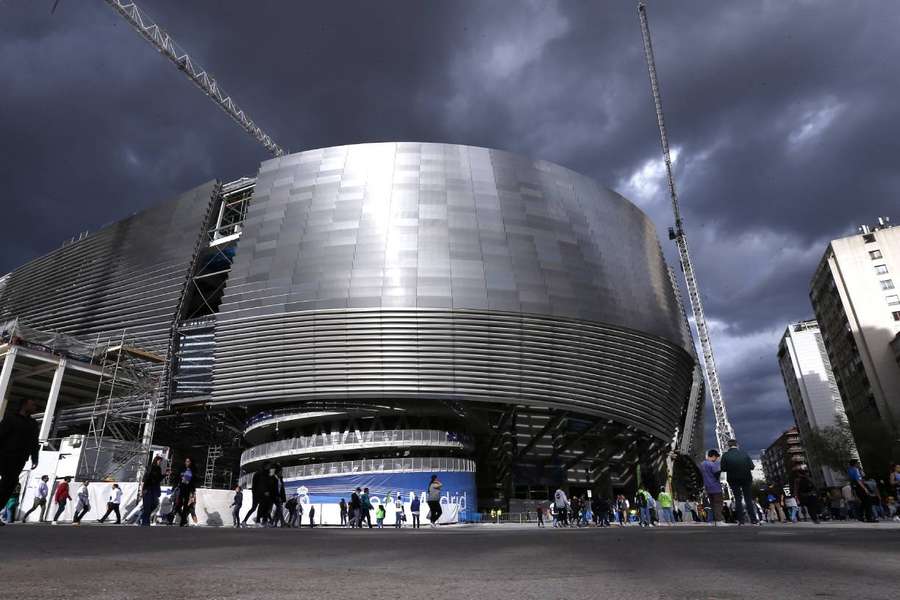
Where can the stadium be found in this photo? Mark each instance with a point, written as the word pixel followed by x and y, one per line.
pixel 368 315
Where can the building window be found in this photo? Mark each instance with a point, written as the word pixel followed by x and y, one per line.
pixel 887 284
pixel 893 300
pixel 881 269
pixel 875 254
pixel 896 315
pixel 869 237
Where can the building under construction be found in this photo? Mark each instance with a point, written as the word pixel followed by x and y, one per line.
pixel 374 312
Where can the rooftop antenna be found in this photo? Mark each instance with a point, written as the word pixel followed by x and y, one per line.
pixel 724 431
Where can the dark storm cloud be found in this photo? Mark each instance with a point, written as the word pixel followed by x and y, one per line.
pixel 783 116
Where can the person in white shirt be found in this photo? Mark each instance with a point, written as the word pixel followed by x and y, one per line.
pixel 562 507
pixel 112 504
pixel 84 504
pixel 40 499
pixel 398 511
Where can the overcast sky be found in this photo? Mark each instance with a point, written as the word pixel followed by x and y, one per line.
pixel 784 117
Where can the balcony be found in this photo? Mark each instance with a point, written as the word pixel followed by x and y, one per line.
pixel 375 465
pixel 348 441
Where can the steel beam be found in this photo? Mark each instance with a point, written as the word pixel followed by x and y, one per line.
pixel 9 362
pixel 50 410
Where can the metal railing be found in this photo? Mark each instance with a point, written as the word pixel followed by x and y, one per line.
pixel 438 464
pixel 349 440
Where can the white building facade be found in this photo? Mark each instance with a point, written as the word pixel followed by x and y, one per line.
pixel 855 295
pixel 811 389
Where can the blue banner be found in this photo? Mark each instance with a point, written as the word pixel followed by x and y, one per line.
pixel 458 488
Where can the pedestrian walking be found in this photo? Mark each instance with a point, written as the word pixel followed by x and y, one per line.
pixel 379 516
pixel 738 468
pixel 710 470
pixel 61 497
pixel 40 499
pixel 622 507
pixel 186 485
pixel 601 512
pixel 312 516
pixel 805 491
pixel 856 476
pixel 356 508
pixel 666 514
pixel 414 509
pixel 894 481
pixel 399 514
pixel 18 441
pixel 292 505
pixel 279 498
pixel 257 484
pixel 790 508
pixel 236 503
pixel 112 504
pixel 561 503
pixel 587 513
pixel 776 510
pixel 434 500
pixel 343 509
pixel 8 514
pixel 875 495
pixel 84 503
pixel 151 490
pixel 366 508
pixel 642 501
pixel 540 515
pixel 269 486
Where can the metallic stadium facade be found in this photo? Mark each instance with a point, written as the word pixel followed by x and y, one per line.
pixel 392 310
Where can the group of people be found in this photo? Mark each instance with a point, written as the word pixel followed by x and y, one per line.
pixel 859 499
pixel 271 506
pixel 180 501
pixel 579 511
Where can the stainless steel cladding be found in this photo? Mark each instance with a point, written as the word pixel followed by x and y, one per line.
pixel 130 275
pixel 450 272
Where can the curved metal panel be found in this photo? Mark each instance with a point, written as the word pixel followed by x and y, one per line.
pixel 441 271
pixel 129 275
pixel 456 355
pixel 351 441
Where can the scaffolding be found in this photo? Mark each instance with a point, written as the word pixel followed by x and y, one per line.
pixel 120 431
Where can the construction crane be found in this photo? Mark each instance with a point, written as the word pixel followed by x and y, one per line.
pixel 154 34
pixel 724 431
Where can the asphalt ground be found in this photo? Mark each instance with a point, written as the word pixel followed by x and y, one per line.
pixel 488 561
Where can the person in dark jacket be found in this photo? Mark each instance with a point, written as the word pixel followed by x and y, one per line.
pixel 415 510
pixel 151 490
pixel 366 508
pixel 187 484
pixel 356 508
pixel 601 512
pixel 806 493
pixel 279 498
pixel 18 441
pixel 236 503
pixel 256 489
pixel 269 487
pixel 343 508
pixel 292 506
pixel 738 468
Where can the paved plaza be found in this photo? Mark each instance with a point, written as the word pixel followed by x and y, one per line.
pixel 488 561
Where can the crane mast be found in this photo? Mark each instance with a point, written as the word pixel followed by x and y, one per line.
pixel 724 431
pixel 154 34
